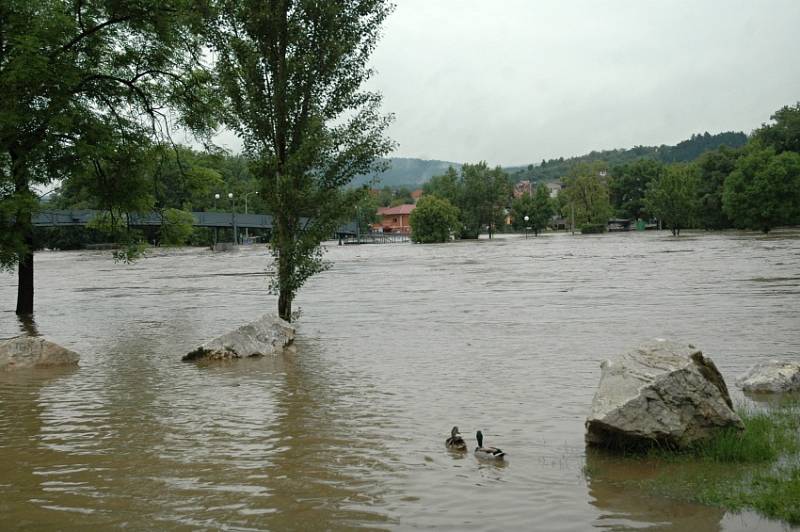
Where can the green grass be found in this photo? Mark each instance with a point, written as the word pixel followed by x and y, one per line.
pixel 758 469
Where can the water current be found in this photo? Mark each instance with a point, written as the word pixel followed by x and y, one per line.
pixel 396 344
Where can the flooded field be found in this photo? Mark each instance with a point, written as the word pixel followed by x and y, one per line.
pixel 397 343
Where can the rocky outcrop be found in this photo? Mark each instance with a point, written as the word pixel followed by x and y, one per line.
pixel 269 335
pixel 25 352
pixel 661 393
pixel 771 376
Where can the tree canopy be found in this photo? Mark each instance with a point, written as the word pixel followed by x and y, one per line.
pixel 291 73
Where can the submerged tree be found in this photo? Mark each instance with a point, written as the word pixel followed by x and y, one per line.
pixel 763 192
pixel 292 71
pixel 82 82
pixel 434 220
pixel 539 209
pixel 672 197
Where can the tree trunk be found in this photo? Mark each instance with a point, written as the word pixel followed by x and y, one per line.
pixel 285 305
pixel 23 226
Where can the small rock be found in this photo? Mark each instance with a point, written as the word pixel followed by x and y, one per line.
pixel 25 352
pixel 269 335
pixel 660 393
pixel 771 376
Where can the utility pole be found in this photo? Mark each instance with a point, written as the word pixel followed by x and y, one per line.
pixel 572 214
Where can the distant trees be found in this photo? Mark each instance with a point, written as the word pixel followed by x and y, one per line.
pixel 672 197
pixel 712 169
pixel 763 191
pixel 481 194
pixel 629 184
pixel 585 195
pixel 539 208
pixel 434 220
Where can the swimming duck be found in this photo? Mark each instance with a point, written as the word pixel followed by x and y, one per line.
pixel 490 453
pixel 455 441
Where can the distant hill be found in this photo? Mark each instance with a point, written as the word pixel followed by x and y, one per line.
pixel 412 173
pixel 684 151
pixel 407 172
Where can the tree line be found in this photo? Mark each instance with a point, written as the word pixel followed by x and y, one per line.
pixel 753 186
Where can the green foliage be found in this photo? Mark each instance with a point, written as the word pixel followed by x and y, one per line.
pixel 593 229
pixel 176 229
pixel 539 209
pixel 585 194
pixel 486 192
pixel 712 168
pixel 784 134
pixel 763 191
pixel 629 184
pixel 291 74
pixel 84 83
pixel 685 151
pixel 672 197
pixel 367 212
pixel 766 477
pixel 434 220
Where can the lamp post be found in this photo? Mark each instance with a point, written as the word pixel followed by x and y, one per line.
pixel 233 218
pixel 216 229
pixel 526 226
pixel 247 229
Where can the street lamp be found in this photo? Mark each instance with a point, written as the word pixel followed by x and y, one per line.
pixel 247 229
pixel 233 219
pixel 526 226
pixel 216 229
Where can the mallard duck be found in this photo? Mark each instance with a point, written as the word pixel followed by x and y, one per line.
pixel 455 442
pixel 490 453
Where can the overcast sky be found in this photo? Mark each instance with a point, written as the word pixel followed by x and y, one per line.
pixel 513 82
pixel 516 81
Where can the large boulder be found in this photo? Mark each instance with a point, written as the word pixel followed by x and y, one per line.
pixel 269 335
pixel 661 393
pixel 771 376
pixel 25 352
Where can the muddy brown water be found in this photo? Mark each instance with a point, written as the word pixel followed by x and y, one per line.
pixel 397 343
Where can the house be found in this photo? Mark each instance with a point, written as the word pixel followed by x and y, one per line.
pixel 523 188
pixel 395 219
pixel 554 188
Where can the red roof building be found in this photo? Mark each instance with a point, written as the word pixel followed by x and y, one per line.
pixel 396 219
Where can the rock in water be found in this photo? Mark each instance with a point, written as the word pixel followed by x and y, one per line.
pixel 25 352
pixel 269 335
pixel 661 393
pixel 771 376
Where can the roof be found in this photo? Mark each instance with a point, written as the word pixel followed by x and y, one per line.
pixel 405 208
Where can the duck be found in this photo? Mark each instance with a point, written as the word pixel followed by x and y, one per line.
pixel 455 442
pixel 489 453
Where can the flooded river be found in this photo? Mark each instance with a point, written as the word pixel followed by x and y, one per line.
pixel 397 343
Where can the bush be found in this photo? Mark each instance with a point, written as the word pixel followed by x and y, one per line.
pixel 177 227
pixel 591 229
pixel 433 220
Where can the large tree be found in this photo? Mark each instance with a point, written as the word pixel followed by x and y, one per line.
pixel 292 72
pixel 629 184
pixel 672 197
pixel 83 82
pixel 763 191
pixel 539 208
pixel 585 195
pixel 485 195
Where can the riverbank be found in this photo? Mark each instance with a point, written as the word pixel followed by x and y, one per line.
pixel 758 469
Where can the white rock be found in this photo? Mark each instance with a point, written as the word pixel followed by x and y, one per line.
pixel 269 335
pixel 25 352
pixel 771 376
pixel 663 393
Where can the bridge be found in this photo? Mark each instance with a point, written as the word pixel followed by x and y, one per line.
pixel 201 219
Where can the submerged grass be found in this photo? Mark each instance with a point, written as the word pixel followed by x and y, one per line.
pixel 765 476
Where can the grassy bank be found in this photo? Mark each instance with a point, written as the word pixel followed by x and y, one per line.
pixel 758 469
